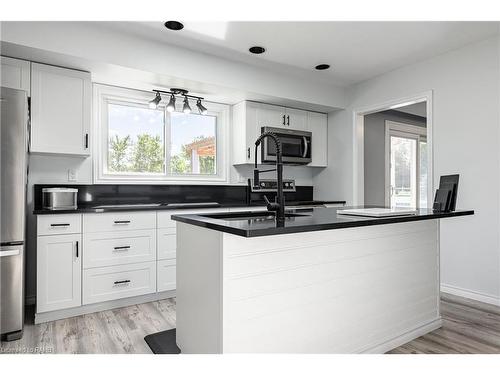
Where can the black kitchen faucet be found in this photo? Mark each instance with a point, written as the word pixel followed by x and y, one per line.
pixel 279 204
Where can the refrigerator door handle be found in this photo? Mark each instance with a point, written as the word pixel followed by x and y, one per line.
pixel 6 251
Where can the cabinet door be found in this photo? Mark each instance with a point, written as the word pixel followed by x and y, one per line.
pixel 167 243
pixel 15 74
pixel 59 272
pixel 270 115
pixel 166 275
pixel 318 126
pixel 296 119
pixel 60 110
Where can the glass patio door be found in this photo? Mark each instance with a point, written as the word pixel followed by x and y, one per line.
pixel 403 171
pixel 407 175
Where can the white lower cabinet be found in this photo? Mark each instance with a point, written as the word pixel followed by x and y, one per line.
pixel 49 225
pixel 109 283
pixel 94 258
pixel 167 243
pixel 59 272
pixel 116 248
pixel 166 275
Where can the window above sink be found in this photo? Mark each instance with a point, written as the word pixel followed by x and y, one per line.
pixel 138 144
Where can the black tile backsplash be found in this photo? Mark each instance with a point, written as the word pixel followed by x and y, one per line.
pixel 92 195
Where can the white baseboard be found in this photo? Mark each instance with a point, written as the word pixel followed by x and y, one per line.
pixel 405 337
pixel 466 293
pixel 101 306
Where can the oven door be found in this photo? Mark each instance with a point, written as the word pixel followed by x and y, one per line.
pixel 295 145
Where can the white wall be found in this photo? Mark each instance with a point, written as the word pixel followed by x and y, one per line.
pixel 465 85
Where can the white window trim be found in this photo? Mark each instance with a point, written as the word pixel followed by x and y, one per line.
pixel 419 133
pixel 103 94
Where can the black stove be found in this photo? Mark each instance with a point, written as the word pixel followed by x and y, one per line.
pixel 295 196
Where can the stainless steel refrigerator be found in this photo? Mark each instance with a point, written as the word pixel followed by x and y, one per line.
pixel 13 158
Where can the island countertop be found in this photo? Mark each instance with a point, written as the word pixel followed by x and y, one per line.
pixel 308 220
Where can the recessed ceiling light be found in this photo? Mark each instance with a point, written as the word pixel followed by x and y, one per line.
pixel 257 50
pixel 174 25
pixel 322 67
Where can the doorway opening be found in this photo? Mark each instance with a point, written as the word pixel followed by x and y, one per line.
pixel 405 165
pixel 393 154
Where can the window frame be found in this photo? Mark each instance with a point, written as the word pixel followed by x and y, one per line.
pixel 104 95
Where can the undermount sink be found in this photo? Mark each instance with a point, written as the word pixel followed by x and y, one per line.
pixel 251 216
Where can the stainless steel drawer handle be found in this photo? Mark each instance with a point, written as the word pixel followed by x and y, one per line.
pixel 122 247
pixel 122 221
pixel 60 225
pixel 121 282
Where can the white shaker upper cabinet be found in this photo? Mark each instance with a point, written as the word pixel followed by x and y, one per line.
pixel 318 126
pixel 296 119
pixel 248 120
pixel 60 110
pixel 15 74
pixel 269 115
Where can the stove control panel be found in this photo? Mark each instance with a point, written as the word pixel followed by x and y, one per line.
pixel 268 185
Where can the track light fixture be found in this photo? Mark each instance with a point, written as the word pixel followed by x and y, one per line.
pixel 171 103
pixel 153 104
pixel 186 108
pixel 203 110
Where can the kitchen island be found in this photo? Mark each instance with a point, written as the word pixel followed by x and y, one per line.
pixel 319 283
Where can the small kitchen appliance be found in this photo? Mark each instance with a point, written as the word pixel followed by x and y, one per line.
pixel 59 198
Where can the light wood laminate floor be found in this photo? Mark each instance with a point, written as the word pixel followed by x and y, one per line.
pixel 468 327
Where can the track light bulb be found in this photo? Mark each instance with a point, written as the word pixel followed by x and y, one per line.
pixel 153 104
pixel 186 108
pixel 171 104
pixel 203 110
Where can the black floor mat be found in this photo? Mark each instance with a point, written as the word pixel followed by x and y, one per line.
pixel 163 342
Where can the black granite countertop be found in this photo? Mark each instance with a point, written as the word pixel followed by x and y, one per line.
pixel 313 219
pixel 150 207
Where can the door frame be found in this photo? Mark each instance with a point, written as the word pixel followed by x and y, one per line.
pixel 405 130
pixel 358 188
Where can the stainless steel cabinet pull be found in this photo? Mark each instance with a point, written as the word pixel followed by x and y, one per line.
pixel 121 282
pixel 59 225
pixel 122 221
pixel 121 247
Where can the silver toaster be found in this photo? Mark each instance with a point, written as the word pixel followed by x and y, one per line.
pixel 59 198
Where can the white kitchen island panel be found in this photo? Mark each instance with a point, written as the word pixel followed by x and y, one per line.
pixel 353 290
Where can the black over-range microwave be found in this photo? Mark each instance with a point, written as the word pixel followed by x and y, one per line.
pixel 295 145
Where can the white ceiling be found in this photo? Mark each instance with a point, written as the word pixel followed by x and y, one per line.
pixel 356 50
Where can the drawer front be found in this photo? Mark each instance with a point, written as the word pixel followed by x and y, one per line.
pixel 110 283
pixel 166 275
pixel 119 221
pixel 167 243
pixel 59 224
pixel 112 248
pixel 165 221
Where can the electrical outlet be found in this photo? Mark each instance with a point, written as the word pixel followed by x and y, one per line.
pixel 71 174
